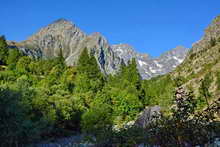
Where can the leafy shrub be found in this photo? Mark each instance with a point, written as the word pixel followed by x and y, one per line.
pixel 212 42
pixel 13 57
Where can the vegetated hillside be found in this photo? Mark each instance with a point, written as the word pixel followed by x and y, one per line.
pixel 66 36
pixel 201 69
pixel 199 72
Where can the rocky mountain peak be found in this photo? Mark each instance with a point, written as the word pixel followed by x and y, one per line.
pixel 124 49
pixel 127 49
pixel 58 28
pixel 98 38
pixel 178 52
pixel 62 24
pixel 61 21
pixel 124 46
pixel 63 35
pixel 97 35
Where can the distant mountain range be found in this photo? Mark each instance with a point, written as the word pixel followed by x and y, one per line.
pixel 64 35
pixel 148 66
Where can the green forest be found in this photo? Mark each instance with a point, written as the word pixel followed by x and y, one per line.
pixel 42 99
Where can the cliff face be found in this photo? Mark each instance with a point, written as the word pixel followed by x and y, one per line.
pixel 64 36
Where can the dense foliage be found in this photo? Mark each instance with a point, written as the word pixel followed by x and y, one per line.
pixel 41 99
pixel 57 100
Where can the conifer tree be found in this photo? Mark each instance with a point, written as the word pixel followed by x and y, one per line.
pixel 124 89
pixel 204 88
pixel 89 76
pixel 134 75
pixel 13 57
pixel 3 50
pixel 122 67
pixel 61 58
pixel 83 62
pixel 130 73
pixel 94 70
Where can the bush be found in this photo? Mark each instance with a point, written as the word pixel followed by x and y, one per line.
pixel 212 42
pixel 13 57
pixel 23 64
pixel 15 125
pixel 96 119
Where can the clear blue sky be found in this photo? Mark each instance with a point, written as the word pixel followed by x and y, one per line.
pixel 151 26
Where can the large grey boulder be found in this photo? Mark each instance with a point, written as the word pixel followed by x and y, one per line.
pixel 147 116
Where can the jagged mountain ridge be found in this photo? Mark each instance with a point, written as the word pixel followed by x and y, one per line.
pixel 66 36
pixel 151 67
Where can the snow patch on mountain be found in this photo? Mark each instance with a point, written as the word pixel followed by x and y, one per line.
pixel 158 65
pixel 142 63
pixel 153 70
pixel 179 60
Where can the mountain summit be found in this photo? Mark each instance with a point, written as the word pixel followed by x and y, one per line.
pixel 63 35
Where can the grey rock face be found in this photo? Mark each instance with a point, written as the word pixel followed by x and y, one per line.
pixel 147 115
pixel 62 35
